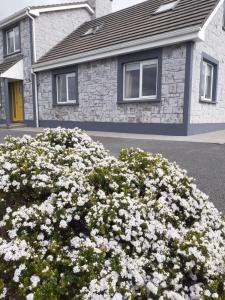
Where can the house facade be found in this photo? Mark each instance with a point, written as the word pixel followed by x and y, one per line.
pixel 154 68
pixel 24 38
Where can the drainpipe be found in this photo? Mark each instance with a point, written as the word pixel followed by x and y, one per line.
pixel 32 72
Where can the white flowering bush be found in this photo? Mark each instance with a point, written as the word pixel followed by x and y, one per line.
pixel 79 224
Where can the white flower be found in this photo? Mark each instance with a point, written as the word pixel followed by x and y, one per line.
pixel 30 297
pixel 3 294
pixel 63 224
pixel 117 296
pixel 40 237
pixel 34 280
pixel 17 273
pixel 152 288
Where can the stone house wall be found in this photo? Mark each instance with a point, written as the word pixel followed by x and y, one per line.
pixel 52 27
pixel 26 51
pixel 97 85
pixel 214 46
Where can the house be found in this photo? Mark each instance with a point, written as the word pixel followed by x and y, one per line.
pixel 24 38
pixel 157 67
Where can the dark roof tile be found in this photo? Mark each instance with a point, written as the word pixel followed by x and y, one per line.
pixel 10 62
pixel 133 23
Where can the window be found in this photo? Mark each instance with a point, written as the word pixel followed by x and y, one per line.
pixel 66 87
pixel 207 84
pixel 208 87
pixel 140 80
pixel 93 30
pixel 13 40
pixel 224 16
pixel 166 7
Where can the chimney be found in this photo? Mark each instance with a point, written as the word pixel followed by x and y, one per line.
pixel 101 7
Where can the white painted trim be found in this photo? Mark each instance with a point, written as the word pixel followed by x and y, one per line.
pixel 15 72
pixel 210 18
pixel 161 40
pixel 37 12
pixel 13 19
pixel 68 75
pixel 141 63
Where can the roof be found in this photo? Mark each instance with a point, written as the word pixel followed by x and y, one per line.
pixel 133 23
pixel 9 63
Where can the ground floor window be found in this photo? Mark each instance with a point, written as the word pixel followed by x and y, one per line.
pixel 66 88
pixel 140 80
pixel 209 76
pixel 207 84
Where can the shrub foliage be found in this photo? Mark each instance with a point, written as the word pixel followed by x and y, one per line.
pixel 79 224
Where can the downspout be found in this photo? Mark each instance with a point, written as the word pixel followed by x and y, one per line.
pixel 32 72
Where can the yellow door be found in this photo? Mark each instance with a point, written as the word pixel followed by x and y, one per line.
pixel 17 102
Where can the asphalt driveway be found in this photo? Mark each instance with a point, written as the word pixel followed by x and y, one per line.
pixel 205 162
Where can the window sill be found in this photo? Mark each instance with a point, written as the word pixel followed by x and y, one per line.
pixel 12 54
pixel 207 101
pixel 149 101
pixel 66 104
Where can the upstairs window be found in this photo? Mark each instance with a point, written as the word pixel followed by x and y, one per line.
pixel 13 40
pixel 66 86
pixel 140 80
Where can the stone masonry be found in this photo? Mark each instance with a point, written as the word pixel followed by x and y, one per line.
pixel 214 46
pixel 98 94
pixel 47 35
pixel 52 27
pixel 27 84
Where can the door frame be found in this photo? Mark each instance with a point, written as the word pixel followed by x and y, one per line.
pixel 11 100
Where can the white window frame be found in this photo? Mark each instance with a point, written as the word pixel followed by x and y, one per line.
pixel 203 97
pixel 142 63
pixel 68 75
pixel 14 41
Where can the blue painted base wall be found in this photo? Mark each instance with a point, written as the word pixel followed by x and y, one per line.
pixel 204 128
pixel 140 128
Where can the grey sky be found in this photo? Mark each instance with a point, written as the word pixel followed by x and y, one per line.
pixel 8 7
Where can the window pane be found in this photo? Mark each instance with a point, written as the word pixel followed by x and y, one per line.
pixel 72 87
pixel 149 80
pixel 10 41
pixel 208 87
pixel 17 38
pixel 61 88
pixel 132 80
pixel 203 80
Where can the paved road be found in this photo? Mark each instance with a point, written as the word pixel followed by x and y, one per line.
pixel 205 162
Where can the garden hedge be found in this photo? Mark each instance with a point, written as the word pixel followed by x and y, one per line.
pixel 77 223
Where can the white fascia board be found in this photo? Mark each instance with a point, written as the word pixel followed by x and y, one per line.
pixel 190 34
pixel 15 72
pixel 37 12
pixel 13 18
pixel 210 18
